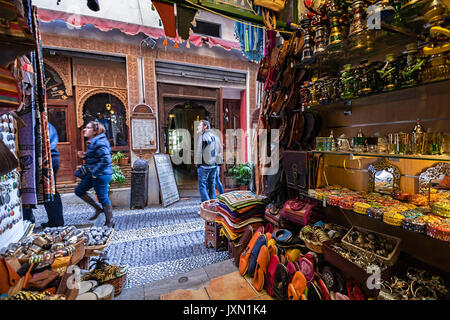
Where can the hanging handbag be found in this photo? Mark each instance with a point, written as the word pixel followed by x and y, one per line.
pixel 275 5
pixel 16 39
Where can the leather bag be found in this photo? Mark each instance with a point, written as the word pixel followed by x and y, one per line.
pixel 295 164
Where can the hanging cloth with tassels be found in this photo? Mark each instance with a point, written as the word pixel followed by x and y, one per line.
pixel 251 39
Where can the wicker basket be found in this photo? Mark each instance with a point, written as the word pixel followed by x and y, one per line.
pixel 206 214
pixel 92 251
pixel 389 260
pixel 118 283
pixel 79 252
pixel 310 244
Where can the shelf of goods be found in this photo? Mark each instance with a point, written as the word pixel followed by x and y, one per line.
pixel 419 243
pixel 355 155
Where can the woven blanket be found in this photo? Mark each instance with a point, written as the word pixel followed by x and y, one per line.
pixel 240 199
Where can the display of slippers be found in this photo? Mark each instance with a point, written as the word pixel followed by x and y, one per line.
pixel 270 276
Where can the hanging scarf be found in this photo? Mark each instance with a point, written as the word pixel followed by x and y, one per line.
pixel 185 17
pixel 251 39
pixel 46 183
pixel 167 15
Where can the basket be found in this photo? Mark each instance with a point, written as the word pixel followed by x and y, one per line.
pixel 79 252
pixel 389 260
pixel 350 269
pixel 92 251
pixel 118 284
pixel 312 245
pixel 207 214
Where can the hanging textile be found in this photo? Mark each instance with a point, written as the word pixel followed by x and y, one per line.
pixel 185 17
pixel 46 183
pixel 167 15
pixel 251 39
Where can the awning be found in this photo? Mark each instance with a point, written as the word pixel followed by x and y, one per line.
pixel 46 15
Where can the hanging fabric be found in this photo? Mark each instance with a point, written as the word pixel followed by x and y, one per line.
pixel 251 39
pixel 167 15
pixel 46 187
pixel 185 17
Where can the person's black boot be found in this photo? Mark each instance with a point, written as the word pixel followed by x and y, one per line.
pixel 89 199
pixel 109 216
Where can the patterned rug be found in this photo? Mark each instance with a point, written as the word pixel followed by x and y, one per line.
pixel 154 242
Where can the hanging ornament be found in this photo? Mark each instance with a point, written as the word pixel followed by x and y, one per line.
pixel 165 42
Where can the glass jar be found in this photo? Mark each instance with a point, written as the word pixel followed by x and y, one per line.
pixel 437 67
pixel 418 139
pixel 401 143
pixel 359 142
pixel 364 83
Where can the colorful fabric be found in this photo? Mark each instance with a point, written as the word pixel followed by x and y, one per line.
pixel 167 15
pixel 251 39
pixel 240 199
pixel 185 17
pixel 9 91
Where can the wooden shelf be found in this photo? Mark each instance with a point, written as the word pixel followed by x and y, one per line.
pixel 354 155
pixel 416 92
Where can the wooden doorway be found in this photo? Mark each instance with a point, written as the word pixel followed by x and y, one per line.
pixel 60 115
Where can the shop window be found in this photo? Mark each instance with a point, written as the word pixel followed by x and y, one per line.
pixel 109 111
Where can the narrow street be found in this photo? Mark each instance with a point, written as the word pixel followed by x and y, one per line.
pixel 154 242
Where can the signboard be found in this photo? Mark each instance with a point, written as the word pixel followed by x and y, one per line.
pixel 167 184
pixel 143 133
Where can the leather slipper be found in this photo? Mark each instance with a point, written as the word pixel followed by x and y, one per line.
pixel 297 286
pixel 243 242
pixel 244 259
pixel 254 254
pixel 281 282
pixel 261 268
pixel 273 263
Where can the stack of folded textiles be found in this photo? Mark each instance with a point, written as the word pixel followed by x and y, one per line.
pixel 238 209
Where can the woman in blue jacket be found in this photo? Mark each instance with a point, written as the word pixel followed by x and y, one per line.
pixel 98 163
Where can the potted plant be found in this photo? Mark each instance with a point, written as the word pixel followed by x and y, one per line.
pixel 242 173
pixel 119 158
pixel 117 177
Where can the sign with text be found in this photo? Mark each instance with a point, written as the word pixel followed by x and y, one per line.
pixel 167 184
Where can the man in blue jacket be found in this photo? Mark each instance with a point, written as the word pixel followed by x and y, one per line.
pixel 53 208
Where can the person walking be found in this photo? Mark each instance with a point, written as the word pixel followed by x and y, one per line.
pixel 98 171
pixel 205 160
pixel 54 208
pixel 219 163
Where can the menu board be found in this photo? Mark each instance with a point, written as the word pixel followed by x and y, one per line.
pixel 167 184
pixel 143 133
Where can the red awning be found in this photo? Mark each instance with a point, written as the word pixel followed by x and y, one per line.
pixel 128 28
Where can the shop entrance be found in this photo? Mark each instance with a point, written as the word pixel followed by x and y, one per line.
pixel 183 116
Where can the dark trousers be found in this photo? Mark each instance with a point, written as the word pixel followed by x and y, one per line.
pixel 53 208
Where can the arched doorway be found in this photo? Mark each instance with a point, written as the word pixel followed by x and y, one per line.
pixel 109 111
pixel 183 116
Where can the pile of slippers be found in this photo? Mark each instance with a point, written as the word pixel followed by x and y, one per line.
pixel 279 262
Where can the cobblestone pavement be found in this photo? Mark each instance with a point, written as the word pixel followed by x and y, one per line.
pixel 154 242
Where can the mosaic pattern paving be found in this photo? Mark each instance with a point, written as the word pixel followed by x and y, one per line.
pixel 155 242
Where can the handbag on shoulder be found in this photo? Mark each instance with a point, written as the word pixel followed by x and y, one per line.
pixel 82 172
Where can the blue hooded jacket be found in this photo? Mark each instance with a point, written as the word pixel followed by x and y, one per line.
pixel 53 135
pixel 98 156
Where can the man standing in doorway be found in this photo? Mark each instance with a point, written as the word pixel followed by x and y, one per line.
pixel 205 160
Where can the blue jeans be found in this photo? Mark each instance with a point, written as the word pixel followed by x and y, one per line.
pixel 100 184
pixel 206 183
pixel 218 182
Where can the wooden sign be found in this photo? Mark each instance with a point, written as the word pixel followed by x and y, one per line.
pixel 167 184
pixel 143 128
